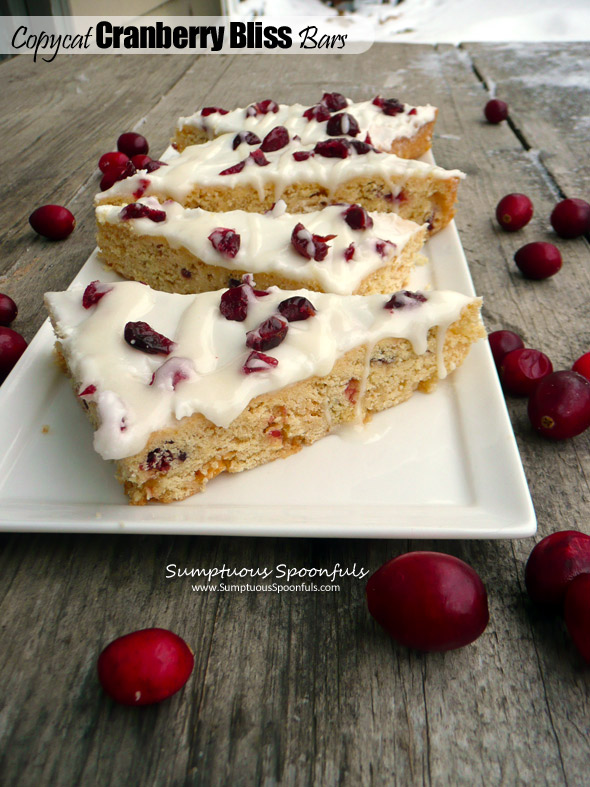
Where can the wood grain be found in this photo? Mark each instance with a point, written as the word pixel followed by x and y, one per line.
pixel 298 688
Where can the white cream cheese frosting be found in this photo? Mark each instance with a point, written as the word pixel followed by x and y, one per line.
pixel 265 240
pixel 137 393
pixel 383 129
pixel 200 166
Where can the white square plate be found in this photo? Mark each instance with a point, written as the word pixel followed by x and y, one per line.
pixel 443 465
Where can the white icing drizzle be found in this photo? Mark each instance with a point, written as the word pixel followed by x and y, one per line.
pixel 213 350
pixel 265 240
pixel 383 129
pixel 201 165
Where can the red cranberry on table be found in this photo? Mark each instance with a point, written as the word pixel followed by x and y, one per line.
pixel 132 144
pixel 496 111
pixel 538 260
pixel 113 159
pixel 52 221
pixel 12 346
pixel 577 613
pixel 503 342
pixel 559 406
pixel 145 667
pixel 582 366
pixel 140 161
pixel 521 370
pixel 429 601
pixel 8 310
pixel 552 565
pixel 571 218
pixel 514 211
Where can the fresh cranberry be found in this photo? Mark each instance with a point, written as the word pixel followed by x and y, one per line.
pixel 577 613
pixel 116 173
pixel 496 111
pixel 429 601
pixel 245 136
pixel 559 406
pixel 93 293
pixel 145 667
pixel 258 362
pixel 213 110
pixel 137 210
pixel 8 310
pixel 234 303
pixel 389 106
pixel 582 366
pixel 552 565
pixel 503 342
pixel 258 157
pixel 52 221
pixel 405 299
pixel 262 108
pixel 538 260
pixel 132 144
pixel 296 308
pixel 571 218
pixel 12 346
pixel 113 159
pixel 308 245
pixel 343 123
pixel 140 161
pixel 357 218
pixel 225 241
pixel 142 336
pixel 319 113
pixel 269 334
pixel 302 155
pixel 233 170
pixel 334 101
pixel 333 148
pixel 514 211
pixel 349 252
pixel 276 139
pixel 522 369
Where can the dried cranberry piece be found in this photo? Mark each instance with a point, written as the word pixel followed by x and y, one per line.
pixel 269 334
pixel 382 247
pixel 262 108
pixel 308 245
pixel 389 106
pixel 343 123
pixel 142 188
pixel 234 303
pixel 357 218
pixel 159 459
pixel 212 110
pixel 154 164
pixel 413 111
pixel 302 155
pixel 368 140
pixel 245 136
pixel 142 336
pixel 259 158
pixel 333 148
pixel 172 372
pixel 296 308
pixel 405 299
pixel 233 170
pixel 349 252
pixel 319 113
pixel 248 281
pixel 334 101
pixel 258 362
pixel 276 139
pixel 185 273
pixel 93 293
pixel 225 241
pixel 362 147
pixel 136 210
pixel 88 391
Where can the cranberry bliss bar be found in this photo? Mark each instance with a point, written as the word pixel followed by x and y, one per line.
pixel 228 174
pixel 181 388
pixel 341 249
pixel 388 124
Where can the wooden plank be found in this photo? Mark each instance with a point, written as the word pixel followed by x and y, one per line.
pixel 303 688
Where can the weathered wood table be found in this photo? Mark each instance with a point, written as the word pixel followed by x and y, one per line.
pixel 302 688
